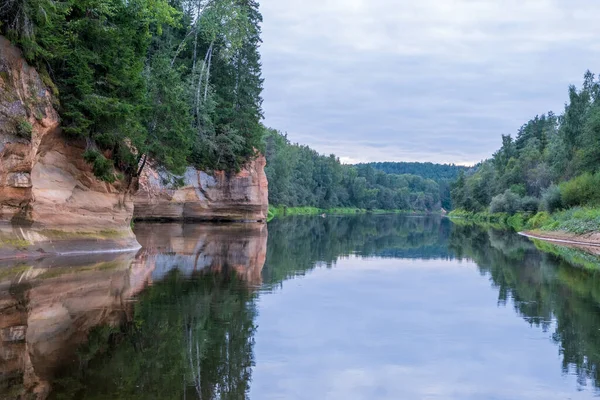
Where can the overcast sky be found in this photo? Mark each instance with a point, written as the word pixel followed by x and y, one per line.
pixel 420 80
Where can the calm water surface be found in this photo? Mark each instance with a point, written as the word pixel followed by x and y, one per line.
pixel 365 307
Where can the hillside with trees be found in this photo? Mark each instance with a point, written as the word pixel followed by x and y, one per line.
pixel 299 176
pixel 551 164
pixel 442 174
pixel 427 170
pixel 175 81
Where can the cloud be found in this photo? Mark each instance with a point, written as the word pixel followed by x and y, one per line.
pixel 433 80
pixel 370 329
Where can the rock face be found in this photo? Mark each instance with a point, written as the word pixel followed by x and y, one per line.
pixel 205 197
pixel 44 181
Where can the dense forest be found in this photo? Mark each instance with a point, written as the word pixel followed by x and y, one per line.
pixel 178 83
pixel 442 174
pixel 175 81
pixel 427 170
pixel 552 163
pixel 299 176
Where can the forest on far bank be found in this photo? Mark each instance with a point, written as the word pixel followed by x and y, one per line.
pixel 552 163
pixel 299 177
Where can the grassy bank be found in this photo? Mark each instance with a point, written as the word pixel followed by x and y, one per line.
pixel 282 211
pixel 577 220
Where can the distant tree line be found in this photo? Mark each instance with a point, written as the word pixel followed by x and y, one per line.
pixel 427 170
pixel 552 163
pixel 442 174
pixel 299 176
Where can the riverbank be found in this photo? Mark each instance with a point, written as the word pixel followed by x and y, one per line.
pixel 577 225
pixel 283 211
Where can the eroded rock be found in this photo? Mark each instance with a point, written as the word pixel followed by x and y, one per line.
pixel 48 192
pixel 13 333
pixel 218 196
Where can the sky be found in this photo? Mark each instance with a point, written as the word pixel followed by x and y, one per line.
pixel 420 80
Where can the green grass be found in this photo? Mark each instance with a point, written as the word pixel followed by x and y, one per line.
pixel 283 211
pixel 16 243
pixel 103 234
pixel 11 272
pixel 577 220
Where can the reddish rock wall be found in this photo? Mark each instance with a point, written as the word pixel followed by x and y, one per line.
pixel 204 197
pixel 45 184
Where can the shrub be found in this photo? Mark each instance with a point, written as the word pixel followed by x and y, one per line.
pixel 102 166
pixel 539 220
pixel 551 199
pixel 517 222
pixel 576 220
pixel 24 128
pixel 507 202
pixel 580 191
pixel 529 204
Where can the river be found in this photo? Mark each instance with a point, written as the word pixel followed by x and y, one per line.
pixel 361 307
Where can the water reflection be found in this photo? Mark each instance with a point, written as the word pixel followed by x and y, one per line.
pixel 556 290
pixel 178 318
pixel 299 244
pixel 194 282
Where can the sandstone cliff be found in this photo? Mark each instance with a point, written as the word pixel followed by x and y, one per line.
pixel 218 196
pixel 45 184
pixel 50 200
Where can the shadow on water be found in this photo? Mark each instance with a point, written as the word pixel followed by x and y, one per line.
pixel 177 319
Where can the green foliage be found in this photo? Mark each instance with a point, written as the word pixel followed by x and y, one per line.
pixel 575 220
pixel 553 158
pixel 530 204
pixel 103 167
pixel 168 120
pixel 442 174
pixel 300 177
pixel 427 170
pixel 132 79
pixel 517 221
pixel 581 191
pixel 24 128
pixel 551 199
pixel 508 202
pixel 539 220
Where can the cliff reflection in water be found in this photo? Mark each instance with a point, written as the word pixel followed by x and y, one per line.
pixel 66 320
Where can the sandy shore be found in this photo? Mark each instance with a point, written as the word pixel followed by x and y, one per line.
pixel 589 242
